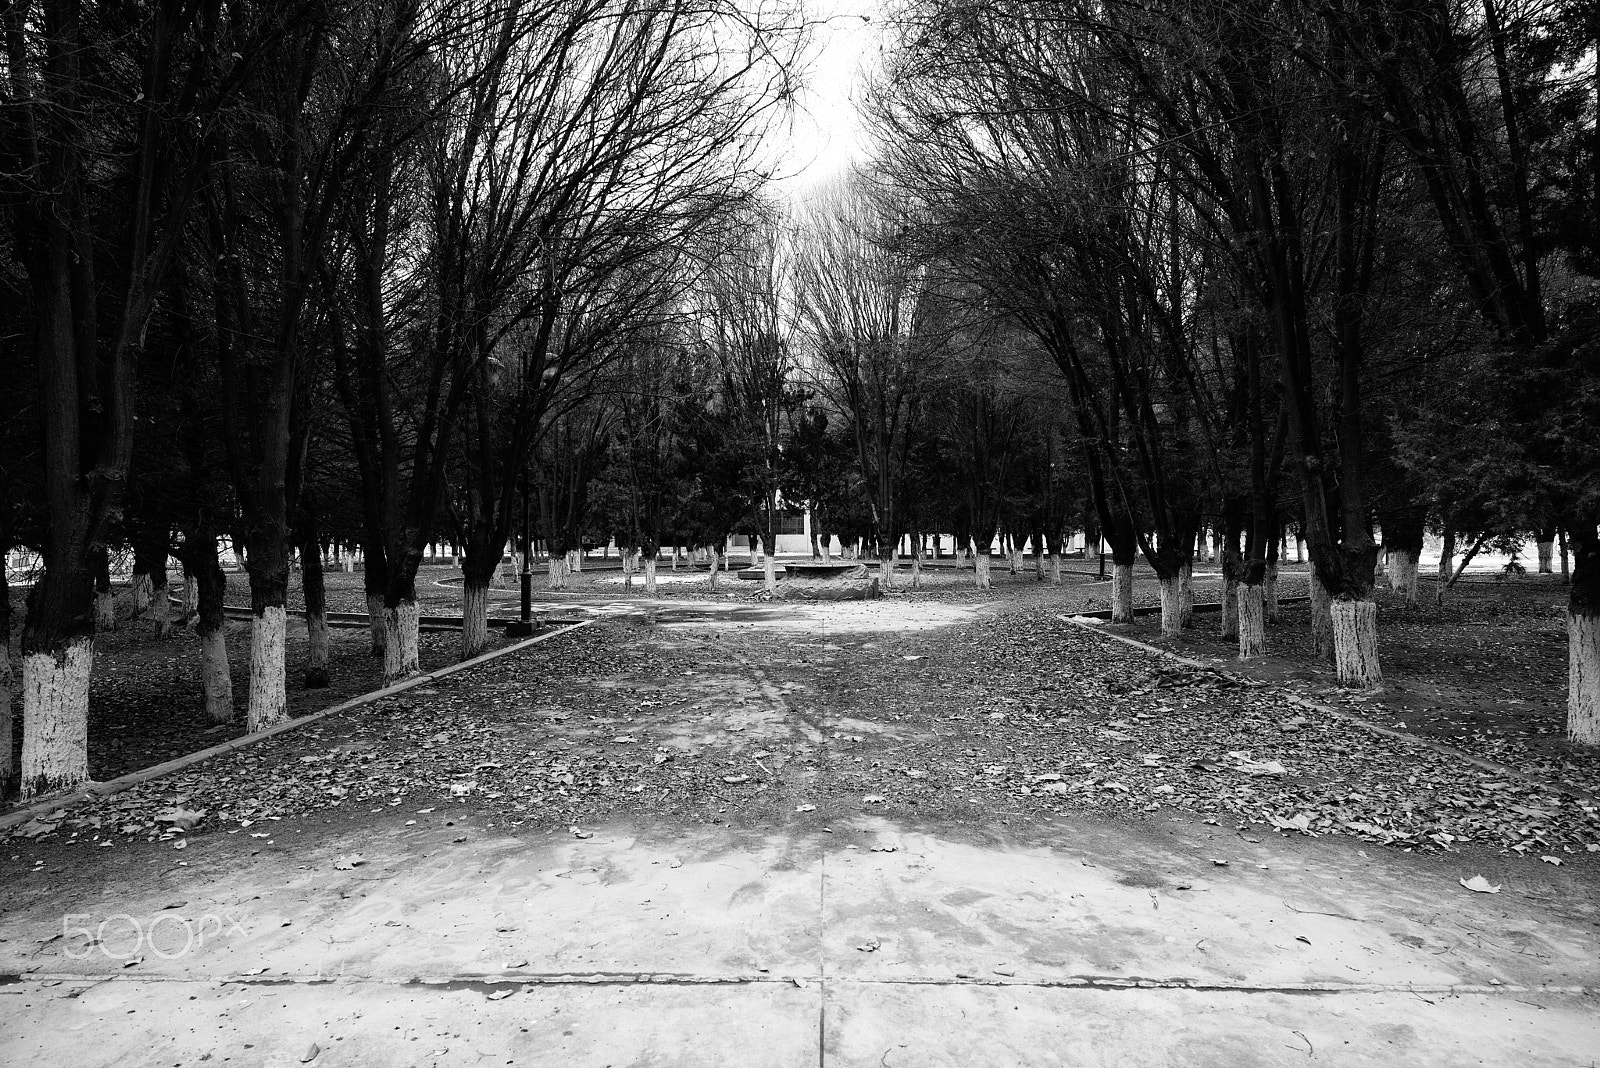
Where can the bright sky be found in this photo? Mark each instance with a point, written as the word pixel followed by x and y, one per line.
pixel 826 133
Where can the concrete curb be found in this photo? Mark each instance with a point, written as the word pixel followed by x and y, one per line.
pixel 143 775
pixel 1357 721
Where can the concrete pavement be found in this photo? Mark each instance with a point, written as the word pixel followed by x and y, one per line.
pixel 1080 942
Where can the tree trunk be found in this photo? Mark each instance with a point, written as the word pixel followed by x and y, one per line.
pixel 1447 553
pixel 8 682
pixel 55 709
pixel 140 594
pixel 769 574
pixel 1355 642
pixel 980 573
pixel 375 627
pixel 650 574
pixel 1252 621
pixel 827 548
pixel 314 592
pixel 1299 550
pixel 577 561
pixel 886 564
pixel 556 574
pixel 268 702
pixel 211 626
pixel 1230 604
pixel 1172 606
pixel 1403 573
pixel 1121 593
pixel 1547 556
pixel 1321 617
pixel 474 616
pixel 1379 567
pixel 1566 572
pixel 191 598
pixel 713 557
pixel 161 606
pixel 1583 636
pixel 1186 594
pixel 1055 569
pixel 1274 611
pixel 400 625
pixel 105 604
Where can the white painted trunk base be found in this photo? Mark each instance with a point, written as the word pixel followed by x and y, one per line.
pixel 191 600
pixel 1252 622
pixel 1547 557
pixel 1055 569
pixel 556 573
pixel 886 570
pixel 316 650
pixel 474 619
pixel 269 700
pixel 141 594
pixel 980 571
pixel 1403 573
pixel 216 682
pixel 105 611
pixel 1583 678
pixel 161 610
pixel 1321 617
pixel 400 624
pixel 650 575
pixel 1016 560
pixel 916 569
pixel 1171 606
pixel 55 718
pixel 1355 642
pixel 8 721
pixel 713 559
pixel 1122 593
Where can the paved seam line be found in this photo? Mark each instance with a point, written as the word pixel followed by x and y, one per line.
pixel 116 786
pixel 1352 719
pixel 1079 982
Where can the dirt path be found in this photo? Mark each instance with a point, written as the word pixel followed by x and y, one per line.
pixel 855 834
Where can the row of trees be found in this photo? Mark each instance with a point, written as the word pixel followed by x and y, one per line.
pixel 1321 265
pixel 332 265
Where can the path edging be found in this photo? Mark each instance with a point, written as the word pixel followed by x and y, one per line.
pixel 1354 720
pixel 143 775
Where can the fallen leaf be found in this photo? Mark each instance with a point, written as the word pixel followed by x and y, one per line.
pixel 1478 884
pixel 349 861
pixel 310 1054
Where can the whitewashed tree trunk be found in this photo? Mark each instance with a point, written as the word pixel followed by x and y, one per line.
pixel 1186 595
pixel 191 600
pixel 1547 557
pixel 1038 564
pixel 1230 607
pixel 755 555
pixel 826 543
pixel 1403 573
pixel 1583 678
pixel 1055 569
pixel 1274 610
pixel 980 572
pixel 317 647
pixel 474 619
pixel 1172 606
pixel 375 626
pixel 55 718
pixel 674 558
pixel 1122 593
pixel 269 700
pixel 105 611
pixel 216 681
pixel 1355 642
pixel 8 721
pixel 1447 553
pixel 769 574
pixel 650 574
pixel 627 569
pixel 1252 621
pixel 161 610
pixel 577 562
pixel 556 576
pixel 1015 556
pixel 140 594
pixel 348 564
pixel 1321 617
pixel 714 558
pixel 400 658
pixel 916 564
pixel 886 567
